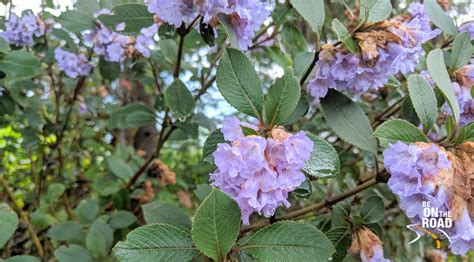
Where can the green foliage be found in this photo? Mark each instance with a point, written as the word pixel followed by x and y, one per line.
pixel 439 17
pixel 289 241
pixel 216 225
pixel 131 116
pixel 156 242
pixel 343 35
pixel 65 231
pixel 282 99
pixel 20 65
pixel 348 121
pixel 375 10
pixel 423 100
pixel 135 17
pixel 437 70
pixel 179 99
pixel 462 51
pixel 239 83
pixel 372 210
pixel 73 253
pixel 166 213
pixel 312 11
pixel 324 161
pixel 210 145
pixel 398 130
pixel 8 223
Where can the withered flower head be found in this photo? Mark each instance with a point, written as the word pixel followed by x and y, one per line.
pixel 368 244
pixel 462 158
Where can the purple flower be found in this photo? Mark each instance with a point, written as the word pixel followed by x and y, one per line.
pixel 109 44
pixel 73 65
pixel 463 239
pixel 342 70
pixel 247 17
pixel 145 40
pixel 469 28
pixel 259 172
pixel 174 12
pixel 466 104
pixel 376 257
pixel 20 31
pixel 416 171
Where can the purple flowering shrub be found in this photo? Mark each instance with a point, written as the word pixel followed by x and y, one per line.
pixel 236 130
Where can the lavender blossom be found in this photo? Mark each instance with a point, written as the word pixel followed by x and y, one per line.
pixel 339 69
pixel 109 44
pixel 469 28
pixel 463 239
pixel 174 12
pixel 466 104
pixel 145 40
pixel 259 172
pixel 415 171
pixel 20 31
pixel 73 65
pixel 247 18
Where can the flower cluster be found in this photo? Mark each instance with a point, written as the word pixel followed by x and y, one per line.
pixel 387 48
pixel 259 172
pixel 109 44
pixel 246 16
pixel 71 64
pixel 145 40
pixel 424 172
pixel 21 30
pixel 368 244
pixel 466 104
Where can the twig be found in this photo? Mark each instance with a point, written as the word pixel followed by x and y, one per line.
pixel 23 216
pixel 326 203
pixel 155 76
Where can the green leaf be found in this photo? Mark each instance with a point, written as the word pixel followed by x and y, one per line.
pixel 343 35
pixel 469 133
pixel 96 243
pixel 65 231
pixel 76 21
pixel 372 210
pixel 19 65
pixel 300 111
pixel 462 51
pixel 156 242
pixel 135 17
pixel 122 219
pixel 324 161
pixel 247 131
pixel 293 39
pixel 179 99
pixel 348 121
pixel 105 230
pixel 439 17
pixel 117 165
pixel 73 253
pixel 131 116
pixel 282 98
pixel 88 210
pixel 423 100
pixel 341 238
pixel 202 191
pixel 399 130
pixel 312 11
pixel 4 45
pixel 375 10
pixel 439 74
pixel 304 190
pixel 8 223
pixel 88 7
pixel 210 145
pixel 216 225
pixel 289 241
pixel 166 213
pixel 239 83
pixel 229 30
pixel 109 70
pixel 23 258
